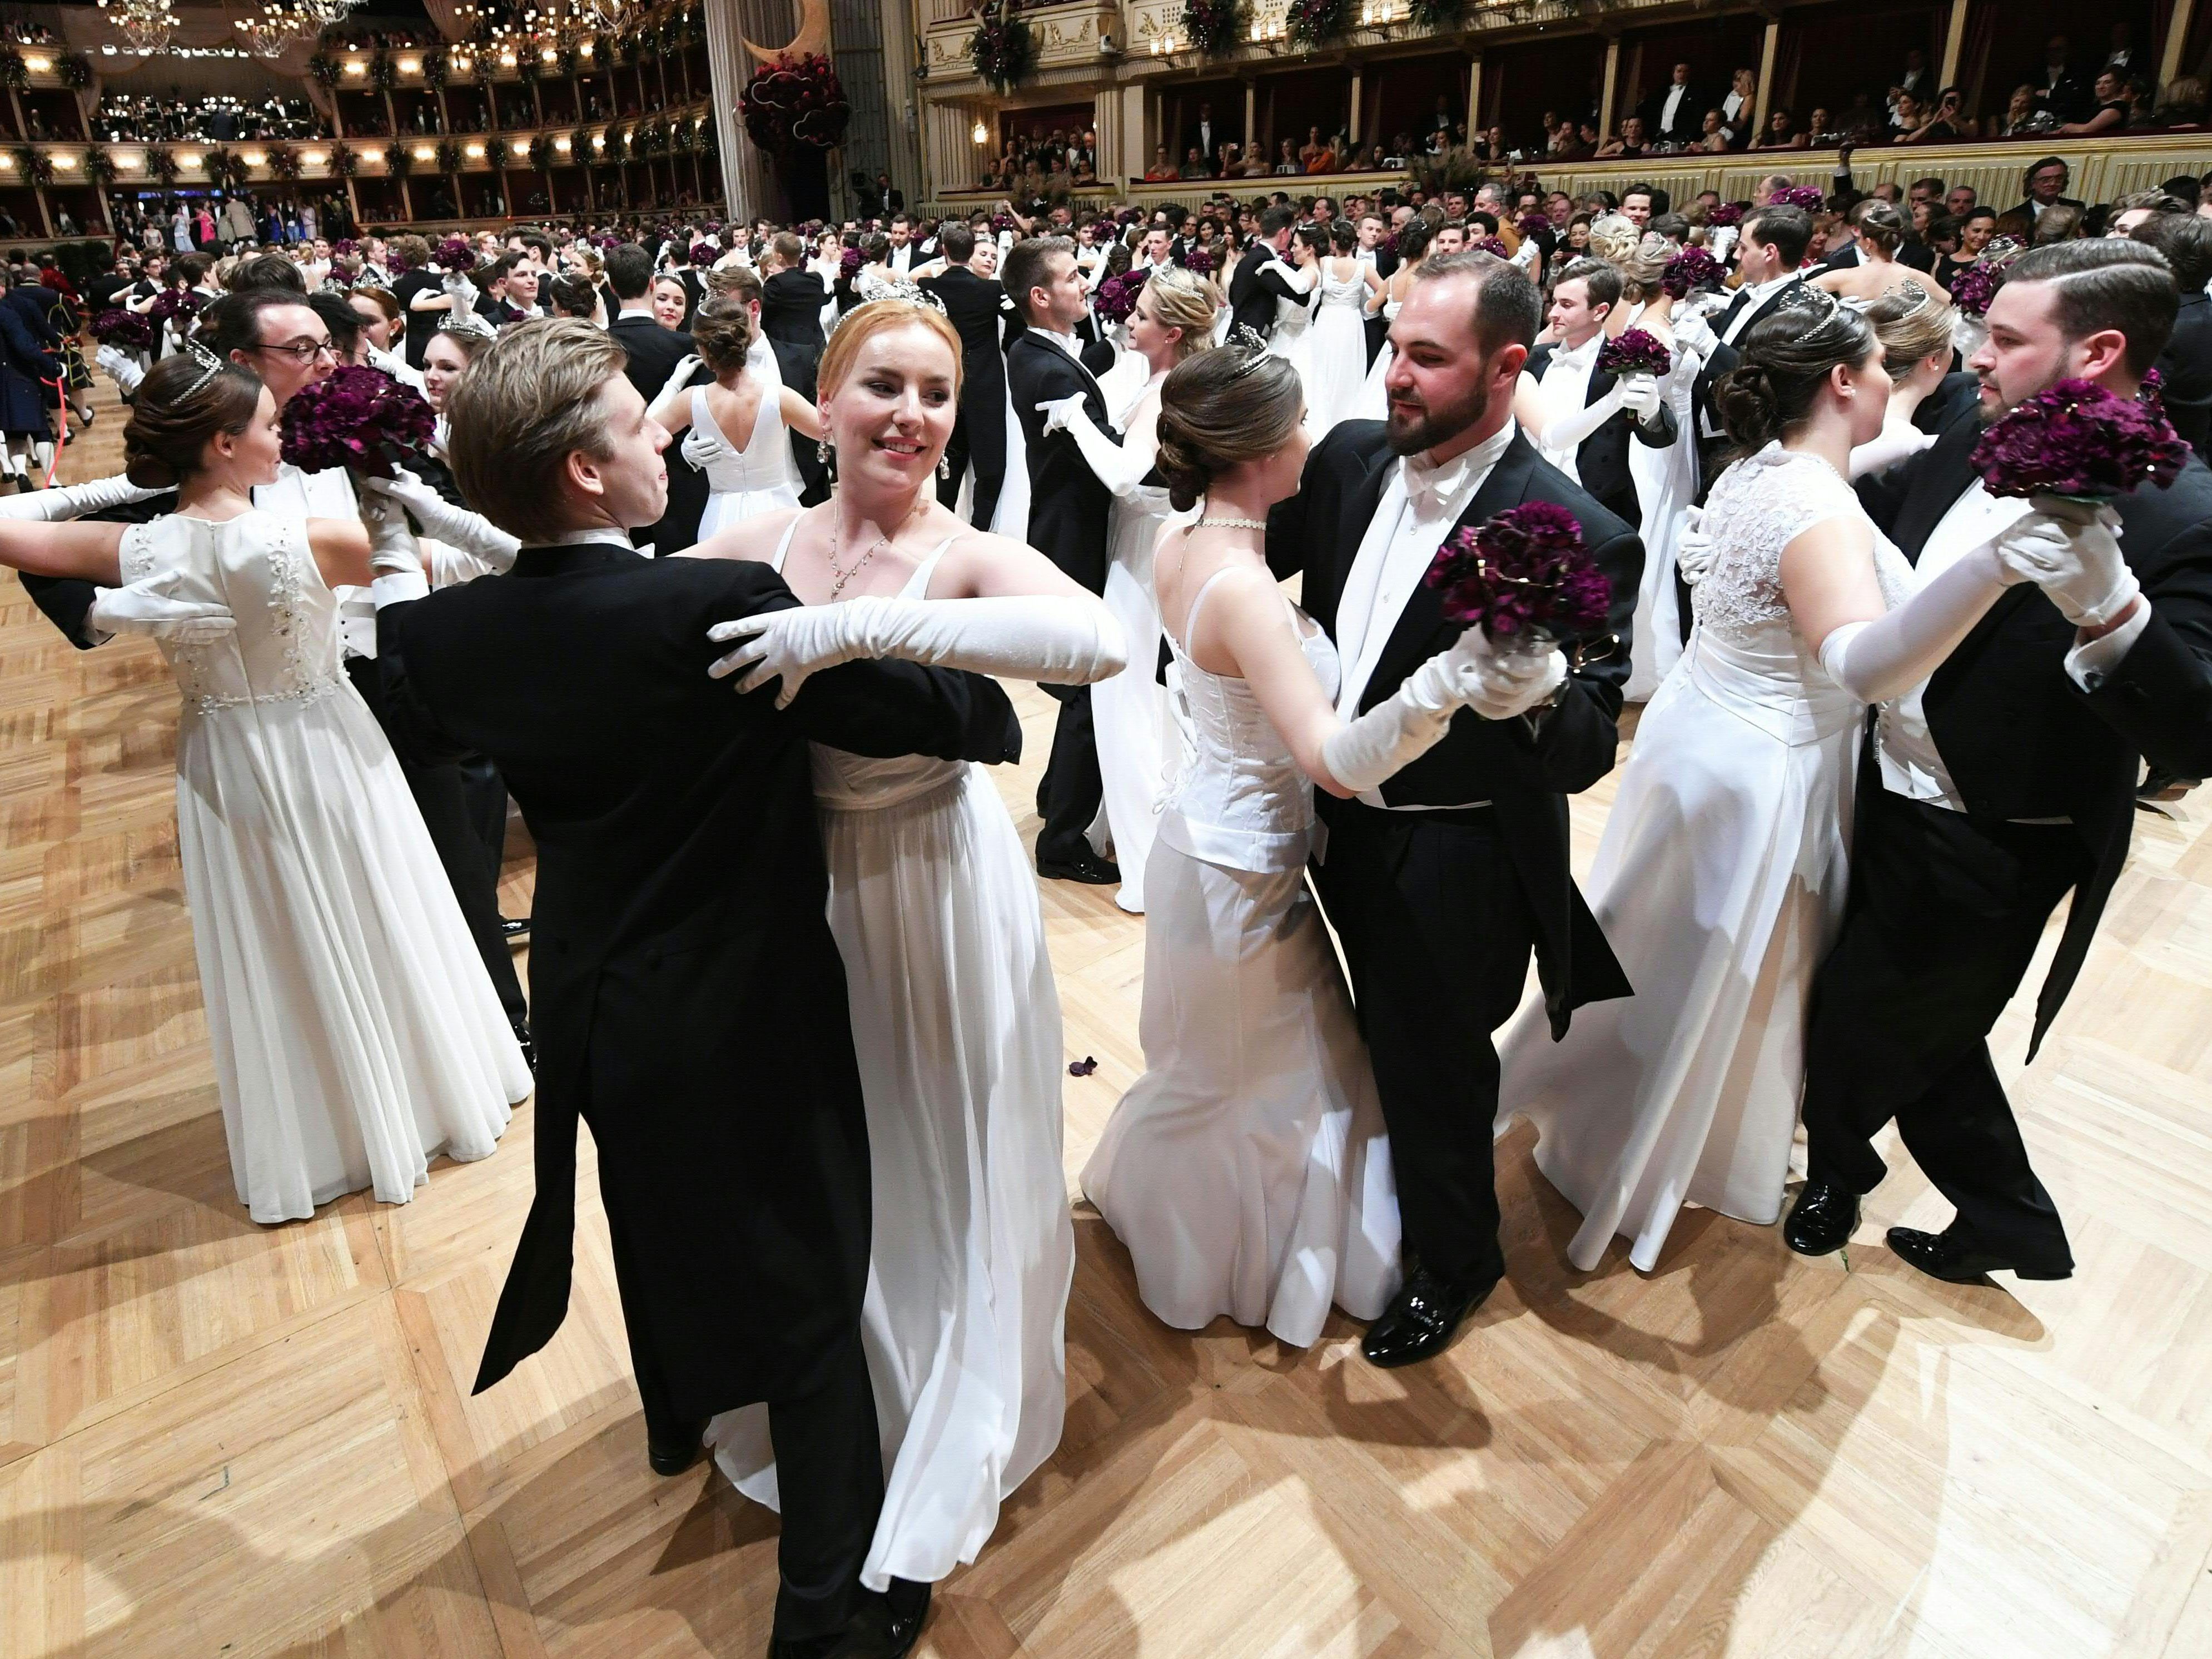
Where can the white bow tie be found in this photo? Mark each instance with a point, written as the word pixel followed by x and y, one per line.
pixel 1578 356
pixel 1429 489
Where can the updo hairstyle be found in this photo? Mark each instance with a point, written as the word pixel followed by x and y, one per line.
pixel 1219 408
pixel 1184 300
pixel 1912 326
pixel 1787 358
pixel 169 430
pixel 722 333
pixel 1641 271
pixel 1881 227
pixel 1614 239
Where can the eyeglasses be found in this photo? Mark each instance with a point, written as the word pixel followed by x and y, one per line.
pixel 304 351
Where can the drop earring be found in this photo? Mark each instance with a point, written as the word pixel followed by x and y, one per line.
pixel 943 467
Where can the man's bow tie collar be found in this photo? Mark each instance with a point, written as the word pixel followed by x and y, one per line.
pixel 1579 357
pixel 1430 488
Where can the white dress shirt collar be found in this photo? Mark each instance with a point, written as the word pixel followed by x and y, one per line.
pixel 597 533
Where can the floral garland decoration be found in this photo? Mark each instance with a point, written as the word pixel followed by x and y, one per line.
pixel 99 167
pixel 383 74
pixel 74 69
pixel 325 70
pixel 162 165
pixel 398 161
pixel 35 166
pixel 1314 23
pixel 793 102
pixel 1435 14
pixel 437 69
pixel 617 145
pixel 283 161
pixel 1004 48
pixel 541 153
pixel 14 71
pixel 450 156
pixel 344 162
pixel 580 148
pixel 1214 27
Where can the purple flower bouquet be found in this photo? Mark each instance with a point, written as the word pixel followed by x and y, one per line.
pixel 1117 296
pixel 1634 351
pixel 2079 441
pixel 1691 270
pixel 1807 196
pixel 1530 224
pixel 1972 289
pixel 1199 262
pixel 127 330
pixel 1727 213
pixel 1003 222
pixel 345 245
pixel 1494 246
pixel 704 253
pixel 172 303
pixel 849 263
pixel 360 418
pixel 1525 578
pixel 454 253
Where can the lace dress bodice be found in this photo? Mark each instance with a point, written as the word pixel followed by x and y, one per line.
pixel 763 464
pixel 847 782
pixel 1748 652
pixel 1293 316
pixel 1242 800
pixel 1350 292
pixel 259 565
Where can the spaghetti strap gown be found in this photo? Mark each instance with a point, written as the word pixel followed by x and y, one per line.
pixel 956 1023
pixel 744 482
pixel 356 1034
pixel 1248 1170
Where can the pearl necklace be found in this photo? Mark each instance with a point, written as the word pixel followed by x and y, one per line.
pixel 1225 523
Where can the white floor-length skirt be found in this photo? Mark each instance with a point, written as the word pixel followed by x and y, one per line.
pixel 1130 710
pixel 955 1023
pixel 1248 1170
pixel 727 507
pixel 1338 373
pixel 1666 485
pixel 1720 883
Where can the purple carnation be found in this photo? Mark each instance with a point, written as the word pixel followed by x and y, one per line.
pixel 174 302
pixel 1972 289
pixel 1726 213
pixel 849 263
pixel 1533 224
pixel 1807 196
pixel 345 245
pixel 1117 296
pixel 1128 216
pixel 1494 246
pixel 2077 439
pixel 704 253
pixel 1525 575
pixel 2152 393
pixel 1199 261
pixel 1691 270
pixel 1634 351
pixel 129 330
pixel 454 253
pixel 1003 222
pixel 360 418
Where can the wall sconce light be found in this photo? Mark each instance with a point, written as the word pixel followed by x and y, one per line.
pixel 562 145
pixel 373 157
pixel 979 134
pixel 424 153
pixel 520 146
pixel 128 161
pixel 64 163
pixel 38 65
pixel 506 60
pixel 314 158
pixel 254 158
pixel 411 66
pixel 355 68
pixel 1164 46
pixel 189 163
pixel 474 152
pixel 599 140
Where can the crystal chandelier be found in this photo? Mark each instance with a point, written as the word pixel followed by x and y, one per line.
pixel 146 26
pixel 326 14
pixel 605 14
pixel 268 34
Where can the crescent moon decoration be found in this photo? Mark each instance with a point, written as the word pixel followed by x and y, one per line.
pixel 812 39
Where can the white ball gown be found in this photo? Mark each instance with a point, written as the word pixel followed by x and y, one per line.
pixel 956 1023
pixel 1292 339
pixel 355 1034
pixel 1666 484
pixel 1374 401
pixel 1248 1170
pixel 1337 373
pixel 742 483
pixel 1720 883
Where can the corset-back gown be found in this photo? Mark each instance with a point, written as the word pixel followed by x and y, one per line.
pixel 1339 352
pixel 956 1025
pixel 355 1032
pixel 1720 883
pixel 1247 1171
pixel 744 482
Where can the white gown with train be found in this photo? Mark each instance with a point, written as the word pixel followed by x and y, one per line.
pixel 1338 373
pixel 955 1024
pixel 355 1033
pixel 1719 884
pixel 744 482
pixel 1247 1171
pixel 1666 485
pixel 1292 339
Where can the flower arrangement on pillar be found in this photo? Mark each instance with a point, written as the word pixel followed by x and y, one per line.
pixel 1315 23
pixel 1004 47
pixel 1214 27
pixel 795 102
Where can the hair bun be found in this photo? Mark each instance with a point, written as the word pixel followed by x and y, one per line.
pixel 149 471
pixel 1182 470
pixel 1749 409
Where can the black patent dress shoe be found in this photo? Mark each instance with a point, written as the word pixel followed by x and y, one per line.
pixel 1957 1258
pixel 1822 1220
pixel 678 1449
pixel 529 1045
pixel 1085 866
pixel 1421 1319
pixel 514 927
pixel 885 1627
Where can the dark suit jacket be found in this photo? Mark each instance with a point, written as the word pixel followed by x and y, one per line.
pixel 1525 767
pixel 1601 458
pixel 799 367
pixel 1958 393
pixel 2028 208
pixel 679 876
pixel 2019 738
pixel 2184 369
pixel 972 304
pixel 1689 114
pixel 1254 289
pixel 1713 445
pixel 791 308
pixel 1067 504
pixel 653 352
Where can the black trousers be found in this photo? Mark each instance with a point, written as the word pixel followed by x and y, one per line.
pixel 1943 918
pixel 1069 793
pixel 979 439
pixel 1438 932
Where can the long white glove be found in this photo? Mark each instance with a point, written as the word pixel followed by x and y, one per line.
pixel 145 607
pixel 2072 552
pixel 686 367
pixel 1694 548
pixel 1564 435
pixel 451 566
pixel 1889 655
pixel 1898 440
pixel 1639 396
pixel 456 526
pixel 125 370
pixel 1693 334
pixel 1046 637
pixel 464 292
pixel 1056 411
pixel 1413 719
pixel 1122 468
pixel 74 500
pixel 394 560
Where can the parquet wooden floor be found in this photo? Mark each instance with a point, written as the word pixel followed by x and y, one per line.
pixel 216 1438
